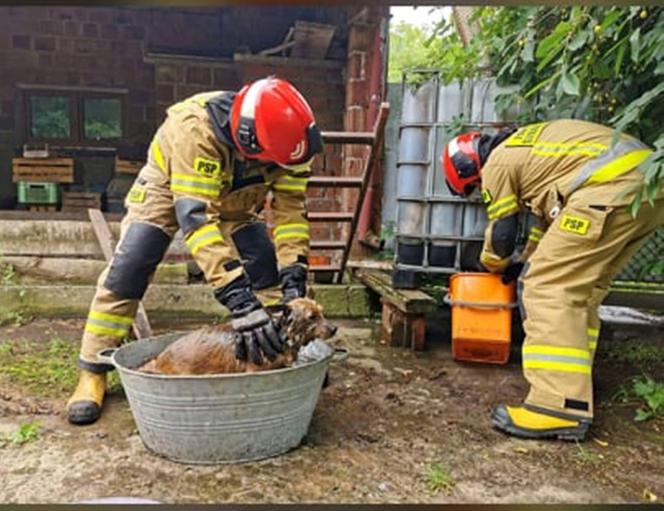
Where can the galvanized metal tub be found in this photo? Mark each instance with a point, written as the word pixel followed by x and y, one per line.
pixel 225 418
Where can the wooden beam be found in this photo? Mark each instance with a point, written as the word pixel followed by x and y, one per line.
pixel 141 325
pixel 369 166
pixel 406 300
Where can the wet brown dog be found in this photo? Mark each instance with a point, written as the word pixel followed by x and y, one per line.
pixel 211 350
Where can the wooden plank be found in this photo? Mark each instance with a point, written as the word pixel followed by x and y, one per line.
pixel 318 216
pixel 406 300
pixel 349 137
pixel 327 245
pixel 400 329
pixel 141 325
pixel 67 162
pixel 369 168
pixel 335 182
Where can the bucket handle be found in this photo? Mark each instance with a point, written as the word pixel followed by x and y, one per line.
pixel 105 356
pixel 479 305
pixel 340 354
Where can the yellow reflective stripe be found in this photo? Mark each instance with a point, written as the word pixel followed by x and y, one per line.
pixel 557 358
pixel 619 166
pixel 112 318
pixel 187 183
pixel 593 335
pixel 500 202
pixel 289 183
pixel 535 234
pixel 158 156
pixel 104 330
pixel 557 366
pixel 287 231
pixel 567 148
pixel 508 209
pixel 203 237
pixel 541 349
pixel 102 323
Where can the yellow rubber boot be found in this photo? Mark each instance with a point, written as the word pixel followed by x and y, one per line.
pixel 524 423
pixel 84 406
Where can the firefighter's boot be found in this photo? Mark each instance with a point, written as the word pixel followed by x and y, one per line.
pixel 84 406
pixel 524 423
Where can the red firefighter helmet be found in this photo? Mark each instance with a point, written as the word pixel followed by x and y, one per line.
pixel 270 120
pixel 461 163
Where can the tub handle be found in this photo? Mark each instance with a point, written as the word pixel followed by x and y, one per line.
pixel 105 356
pixel 340 354
pixel 479 305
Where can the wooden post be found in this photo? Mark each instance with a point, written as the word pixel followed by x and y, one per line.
pixel 104 235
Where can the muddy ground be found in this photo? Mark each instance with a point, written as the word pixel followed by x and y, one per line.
pixel 394 426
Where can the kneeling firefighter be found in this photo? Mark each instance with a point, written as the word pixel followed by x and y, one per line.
pixel 570 175
pixel 209 169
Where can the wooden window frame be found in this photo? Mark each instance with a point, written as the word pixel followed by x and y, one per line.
pixel 76 99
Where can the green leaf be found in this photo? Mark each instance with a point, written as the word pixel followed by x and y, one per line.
pixel 635 45
pixel 619 59
pixel 659 70
pixel 551 43
pixel 636 204
pixel 578 40
pixel 542 84
pixel 570 84
pixel 642 415
pixel 611 18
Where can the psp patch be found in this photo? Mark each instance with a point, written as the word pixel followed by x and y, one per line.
pixel 526 136
pixel 136 195
pixel 574 224
pixel 207 168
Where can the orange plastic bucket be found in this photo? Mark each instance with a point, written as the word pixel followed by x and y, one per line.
pixel 481 317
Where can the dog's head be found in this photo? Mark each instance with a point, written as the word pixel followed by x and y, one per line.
pixel 303 321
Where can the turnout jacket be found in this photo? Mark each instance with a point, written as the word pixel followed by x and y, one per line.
pixel 192 159
pixel 540 167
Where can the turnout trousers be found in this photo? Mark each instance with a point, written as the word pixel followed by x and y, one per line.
pixel 145 234
pixel 566 279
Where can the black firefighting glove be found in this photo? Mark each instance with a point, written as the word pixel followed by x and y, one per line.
pixel 512 272
pixel 257 335
pixel 293 282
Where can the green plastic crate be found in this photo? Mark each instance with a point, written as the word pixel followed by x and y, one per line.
pixel 38 193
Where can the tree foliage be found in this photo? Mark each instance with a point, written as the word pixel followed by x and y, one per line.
pixel 602 64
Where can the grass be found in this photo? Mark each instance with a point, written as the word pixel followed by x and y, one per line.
pixel 651 392
pixel 641 355
pixel 43 368
pixel 26 432
pixel 588 457
pixel 438 477
pixel 647 394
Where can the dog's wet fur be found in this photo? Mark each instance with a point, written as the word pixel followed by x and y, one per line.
pixel 211 350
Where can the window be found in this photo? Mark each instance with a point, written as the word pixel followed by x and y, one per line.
pixel 102 118
pixel 74 117
pixel 50 117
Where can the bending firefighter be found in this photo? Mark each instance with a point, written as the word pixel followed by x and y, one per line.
pixel 209 169
pixel 577 183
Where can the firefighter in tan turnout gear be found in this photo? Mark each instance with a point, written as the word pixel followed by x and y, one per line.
pixel 570 175
pixel 209 168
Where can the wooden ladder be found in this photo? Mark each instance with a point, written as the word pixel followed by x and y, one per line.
pixel 373 139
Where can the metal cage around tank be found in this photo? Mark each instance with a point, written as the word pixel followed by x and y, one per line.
pixel 437 232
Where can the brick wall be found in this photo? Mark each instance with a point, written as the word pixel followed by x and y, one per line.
pixel 113 48
pixel 123 48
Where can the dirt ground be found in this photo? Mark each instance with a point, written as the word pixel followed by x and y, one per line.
pixel 394 426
